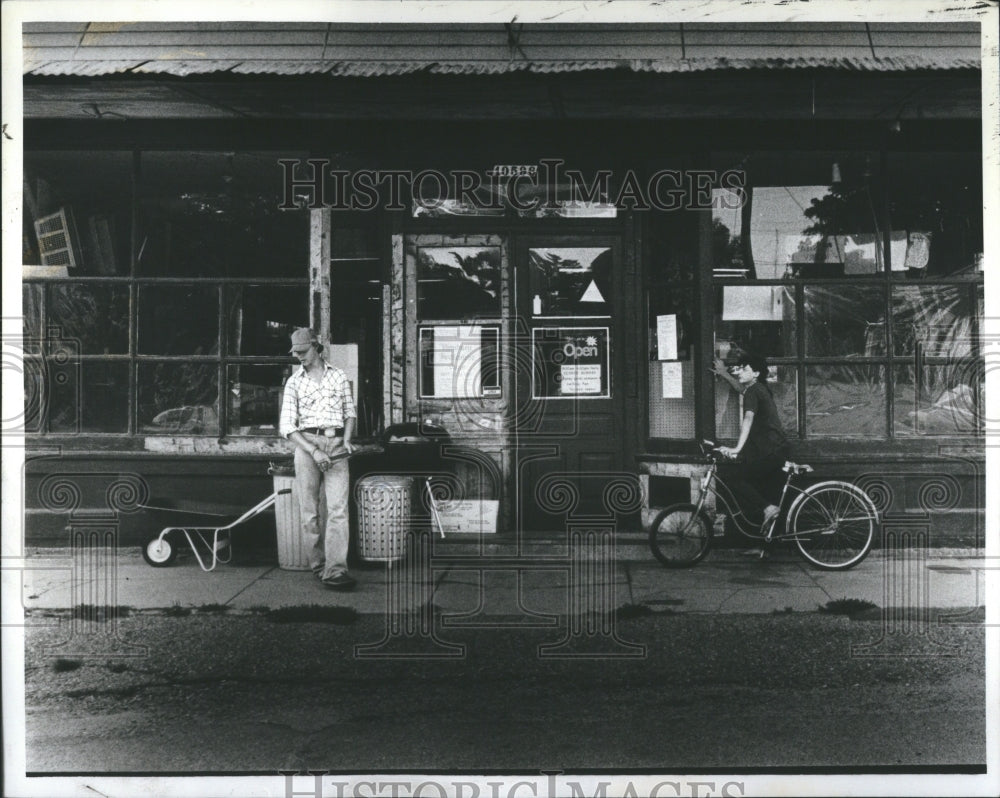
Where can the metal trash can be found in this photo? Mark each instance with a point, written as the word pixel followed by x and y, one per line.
pixel 292 554
pixel 384 505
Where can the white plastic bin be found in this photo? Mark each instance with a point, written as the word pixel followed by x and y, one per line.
pixel 292 554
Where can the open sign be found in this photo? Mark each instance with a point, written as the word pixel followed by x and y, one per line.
pixel 571 362
pixel 576 351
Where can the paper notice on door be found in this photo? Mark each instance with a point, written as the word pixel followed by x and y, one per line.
pixel 672 374
pixel 666 336
pixel 576 380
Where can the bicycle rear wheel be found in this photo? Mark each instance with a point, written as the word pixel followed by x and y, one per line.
pixel 680 536
pixel 833 524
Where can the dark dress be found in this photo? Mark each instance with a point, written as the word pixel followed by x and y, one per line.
pixel 755 477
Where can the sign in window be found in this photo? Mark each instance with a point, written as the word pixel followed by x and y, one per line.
pixel 459 361
pixel 571 362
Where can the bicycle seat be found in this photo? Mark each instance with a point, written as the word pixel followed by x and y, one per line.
pixel 796 468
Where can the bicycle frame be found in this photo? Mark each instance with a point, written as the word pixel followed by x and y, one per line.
pixel 831 522
pixel 714 484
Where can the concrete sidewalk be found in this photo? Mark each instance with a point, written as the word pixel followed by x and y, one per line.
pixel 538 587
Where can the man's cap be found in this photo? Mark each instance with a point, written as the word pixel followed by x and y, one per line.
pixel 302 337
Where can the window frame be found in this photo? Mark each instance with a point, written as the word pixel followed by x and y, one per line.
pixel 222 360
pixel 887 280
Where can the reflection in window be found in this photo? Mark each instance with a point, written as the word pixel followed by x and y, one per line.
pixel 570 281
pixel 178 320
pixel 211 214
pixel 845 401
pixel 459 362
pixel 844 320
pixel 458 282
pixel 727 233
pixel 88 397
pixel 431 200
pixel 178 398
pixel 944 400
pixel 759 320
pixel 96 316
pixel 935 206
pixel 78 211
pixel 561 201
pixel 939 319
pixel 809 215
pixel 254 396
pixel 262 317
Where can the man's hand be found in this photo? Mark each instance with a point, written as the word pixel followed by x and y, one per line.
pixel 321 459
pixel 728 451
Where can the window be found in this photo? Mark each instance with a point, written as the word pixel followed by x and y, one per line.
pixel 459 362
pixel 935 215
pixel 571 281
pixel 671 255
pixel 814 263
pixel 180 327
pixel 458 282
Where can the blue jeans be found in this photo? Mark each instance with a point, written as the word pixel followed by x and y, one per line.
pixel 327 552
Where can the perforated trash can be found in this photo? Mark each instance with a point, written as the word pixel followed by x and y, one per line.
pixel 292 554
pixel 384 505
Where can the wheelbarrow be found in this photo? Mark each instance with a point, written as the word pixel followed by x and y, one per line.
pixel 210 543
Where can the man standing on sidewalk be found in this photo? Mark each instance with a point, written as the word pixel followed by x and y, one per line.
pixel 318 416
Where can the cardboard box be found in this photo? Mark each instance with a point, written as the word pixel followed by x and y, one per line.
pixel 477 517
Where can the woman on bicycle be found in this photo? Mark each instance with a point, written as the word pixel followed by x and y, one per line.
pixel 762 449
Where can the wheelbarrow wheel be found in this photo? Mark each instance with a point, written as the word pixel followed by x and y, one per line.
pixel 159 552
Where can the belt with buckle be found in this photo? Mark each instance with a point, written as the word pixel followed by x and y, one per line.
pixel 329 432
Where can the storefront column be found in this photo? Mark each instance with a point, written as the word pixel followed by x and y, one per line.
pixel 319 273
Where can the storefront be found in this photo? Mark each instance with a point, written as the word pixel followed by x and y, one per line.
pixel 543 253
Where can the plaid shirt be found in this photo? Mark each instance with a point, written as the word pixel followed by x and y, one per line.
pixel 310 404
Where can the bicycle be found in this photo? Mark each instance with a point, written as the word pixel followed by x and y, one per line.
pixel 832 523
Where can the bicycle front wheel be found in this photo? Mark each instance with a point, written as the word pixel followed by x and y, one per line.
pixel 833 524
pixel 680 536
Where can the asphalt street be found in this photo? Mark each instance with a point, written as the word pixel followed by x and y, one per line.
pixel 258 692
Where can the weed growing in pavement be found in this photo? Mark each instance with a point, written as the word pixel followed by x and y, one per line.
pixel 210 608
pixel 846 606
pixel 62 665
pixel 313 613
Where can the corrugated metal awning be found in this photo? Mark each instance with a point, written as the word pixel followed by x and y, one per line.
pixel 184 68
pixel 259 48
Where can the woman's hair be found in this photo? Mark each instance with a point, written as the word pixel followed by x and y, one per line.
pixel 758 364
